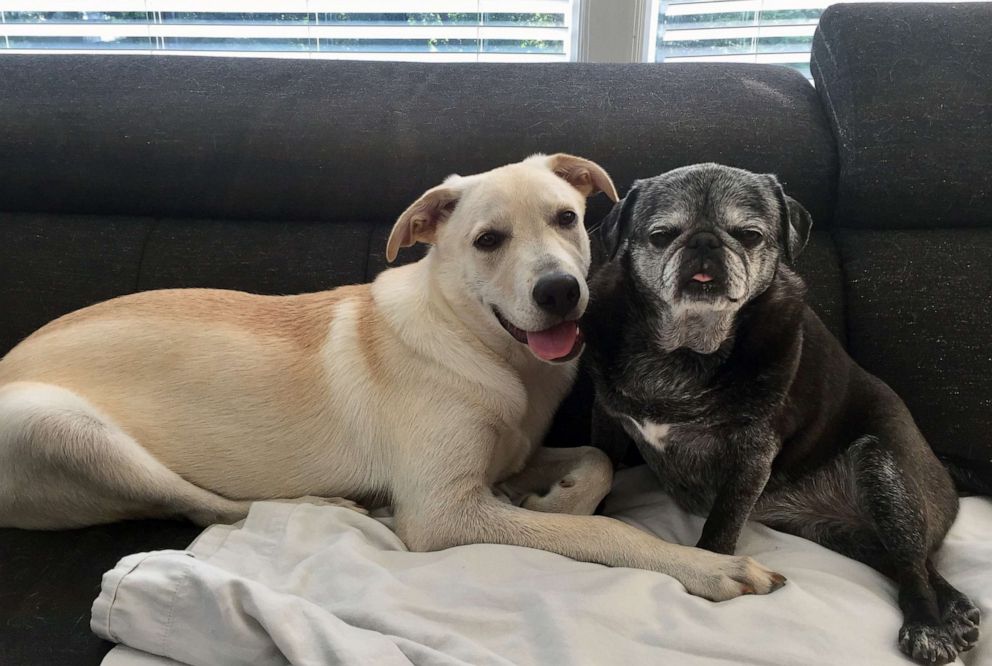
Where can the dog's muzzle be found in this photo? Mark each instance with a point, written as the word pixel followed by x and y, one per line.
pixel 703 274
pixel 562 342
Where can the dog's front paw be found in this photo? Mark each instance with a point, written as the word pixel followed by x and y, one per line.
pixel 927 644
pixel 724 577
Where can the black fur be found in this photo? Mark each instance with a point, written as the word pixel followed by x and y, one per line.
pixel 772 420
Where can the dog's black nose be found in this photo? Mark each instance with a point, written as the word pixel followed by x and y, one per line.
pixel 557 293
pixel 704 239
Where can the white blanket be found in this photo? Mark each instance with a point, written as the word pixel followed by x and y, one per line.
pixel 313 585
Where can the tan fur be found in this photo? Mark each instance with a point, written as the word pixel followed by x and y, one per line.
pixel 409 391
pixel 371 337
pixel 302 319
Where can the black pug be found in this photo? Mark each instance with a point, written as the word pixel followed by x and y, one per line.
pixel 704 352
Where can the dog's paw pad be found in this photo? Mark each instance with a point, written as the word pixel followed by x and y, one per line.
pixel 927 644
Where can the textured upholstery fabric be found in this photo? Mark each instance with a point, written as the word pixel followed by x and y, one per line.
pixel 53 264
pixel 261 257
pixel 49 580
pixel 343 141
pixel 919 315
pixel 906 87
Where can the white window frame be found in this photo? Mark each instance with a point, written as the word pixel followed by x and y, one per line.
pixel 613 30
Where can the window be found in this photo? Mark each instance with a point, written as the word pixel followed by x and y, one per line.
pixel 430 30
pixel 763 31
pixel 759 31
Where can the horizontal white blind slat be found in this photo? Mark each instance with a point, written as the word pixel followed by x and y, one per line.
pixel 433 56
pixel 291 6
pixel 115 30
pixel 748 31
pixel 691 8
pixel 766 58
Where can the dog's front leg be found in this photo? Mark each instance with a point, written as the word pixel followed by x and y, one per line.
pixel 462 518
pixel 442 499
pixel 748 472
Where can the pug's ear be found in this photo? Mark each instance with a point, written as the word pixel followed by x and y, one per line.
pixel 419 222
pixel 616 225
pixel 796 222
pixel 584 175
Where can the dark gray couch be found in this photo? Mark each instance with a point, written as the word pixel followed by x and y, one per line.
pixel 120 174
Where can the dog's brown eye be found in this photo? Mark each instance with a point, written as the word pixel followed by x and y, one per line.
pixel 663 237
pixel 567 218
pixel 489 240
pixel 749 237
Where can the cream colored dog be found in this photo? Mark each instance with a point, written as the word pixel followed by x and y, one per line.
pixel 426 389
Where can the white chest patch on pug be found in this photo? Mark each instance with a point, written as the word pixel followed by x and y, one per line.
pixel 655 434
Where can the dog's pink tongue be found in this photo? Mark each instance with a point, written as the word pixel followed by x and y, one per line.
pixel 554 342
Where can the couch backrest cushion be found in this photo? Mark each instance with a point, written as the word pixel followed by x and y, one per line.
pixel 919 315
pixel 332 140
pixel 907 90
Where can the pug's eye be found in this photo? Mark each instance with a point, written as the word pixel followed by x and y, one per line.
pixel 663 237
pixel 747 237
pixel 489 241
pixel 566 218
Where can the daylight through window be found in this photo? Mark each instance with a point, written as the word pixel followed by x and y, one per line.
pixel 429 30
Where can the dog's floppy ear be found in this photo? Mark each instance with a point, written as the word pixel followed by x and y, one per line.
pixel 418 223
pixel 614 226
pixel 796 222
pixel 584 175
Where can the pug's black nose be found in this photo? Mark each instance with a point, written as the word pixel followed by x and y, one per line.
pixel 557 293
pixel 704 239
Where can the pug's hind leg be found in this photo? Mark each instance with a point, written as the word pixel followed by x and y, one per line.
pixel 898 510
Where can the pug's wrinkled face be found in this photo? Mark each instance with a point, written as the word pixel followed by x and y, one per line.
pixel 707 237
